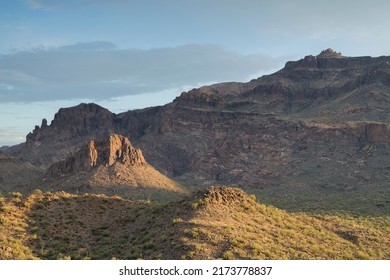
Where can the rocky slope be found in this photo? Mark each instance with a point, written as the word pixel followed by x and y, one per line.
pixel 17 174
pixel 318 128
pixel 111 166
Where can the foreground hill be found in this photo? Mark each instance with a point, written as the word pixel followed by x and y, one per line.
pixel 217 223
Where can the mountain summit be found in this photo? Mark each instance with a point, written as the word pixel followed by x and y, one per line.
pixel 329 53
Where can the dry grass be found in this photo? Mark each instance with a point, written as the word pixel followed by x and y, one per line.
pixel 221 223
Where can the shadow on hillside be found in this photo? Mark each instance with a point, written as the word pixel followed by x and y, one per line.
pixel 100 227
pixel 132 193
pixel 357 202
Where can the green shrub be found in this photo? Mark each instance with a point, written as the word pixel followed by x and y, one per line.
pixel 177 220
pixel 228 255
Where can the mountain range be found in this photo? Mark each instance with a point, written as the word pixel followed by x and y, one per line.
pixel 317 128
pixel 312 139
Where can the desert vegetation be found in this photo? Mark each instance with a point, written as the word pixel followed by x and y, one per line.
pixel 218 223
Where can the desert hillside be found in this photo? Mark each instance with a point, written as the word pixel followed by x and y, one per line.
pixel 218 223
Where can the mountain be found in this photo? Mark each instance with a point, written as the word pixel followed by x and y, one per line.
pixel 70 129
pixel 314 135
pixel 110 166
pixel 217 223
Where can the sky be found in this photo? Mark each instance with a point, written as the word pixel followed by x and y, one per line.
pixel 130 54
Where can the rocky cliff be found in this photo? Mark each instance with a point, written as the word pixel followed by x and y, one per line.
pixel 104 153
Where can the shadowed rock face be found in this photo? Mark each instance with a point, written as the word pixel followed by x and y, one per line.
pixel 104 153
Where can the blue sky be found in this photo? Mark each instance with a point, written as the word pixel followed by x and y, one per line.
pixel 126 54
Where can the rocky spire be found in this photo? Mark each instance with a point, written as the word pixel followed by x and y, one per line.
pixel 115 149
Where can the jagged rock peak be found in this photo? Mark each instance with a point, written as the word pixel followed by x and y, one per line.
pixel 44 123
pixel 118 148
pixel 115 149
pixel 330 53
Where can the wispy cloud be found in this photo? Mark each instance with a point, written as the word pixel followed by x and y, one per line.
pixel 10 135
pixel 100 71
pixel 6 87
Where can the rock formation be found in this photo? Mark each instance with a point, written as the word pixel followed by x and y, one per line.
pixel 104 153
pixel 110 166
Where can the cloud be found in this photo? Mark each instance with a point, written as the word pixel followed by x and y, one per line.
pixel 101 71
pixel 89 46
pixel 10 136
pixel 6 87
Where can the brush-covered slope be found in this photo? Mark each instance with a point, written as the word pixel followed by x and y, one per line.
pixel 219 223
pixel 16 173
pixel 111 166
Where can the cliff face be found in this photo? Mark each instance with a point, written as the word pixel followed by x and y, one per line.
pixel 84 119
pixel 104 153
pixel 321 121
pixel 70 128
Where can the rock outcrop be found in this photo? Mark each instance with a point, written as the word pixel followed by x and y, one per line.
pixel 110 166
pixel 329 53
pixel 104 153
